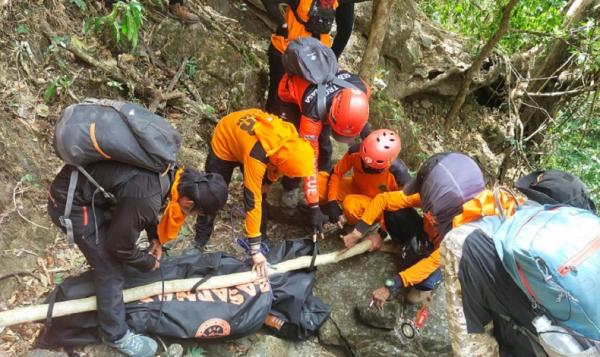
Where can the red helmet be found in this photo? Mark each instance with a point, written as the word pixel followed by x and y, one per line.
pixel 348 114
pixel 380 148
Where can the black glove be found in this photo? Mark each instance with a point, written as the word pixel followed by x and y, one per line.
pixel 334 211
pixel 282 31
pixel 316 219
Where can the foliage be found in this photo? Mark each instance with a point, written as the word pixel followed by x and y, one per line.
pixel 191 67
pixel 574 144
pixel 528 17
pixel 57 86
pixel 195 352
pixel 80 4
pixel 125 20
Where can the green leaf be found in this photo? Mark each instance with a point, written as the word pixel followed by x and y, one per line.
pixel 27 178
pixel 80 4
pixel 50 91
pixel 21 29
pixel 58 278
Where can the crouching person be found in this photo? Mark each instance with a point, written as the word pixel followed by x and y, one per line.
pixel 444 183
pixel 106 230
pixel 489 311
pixel 375 168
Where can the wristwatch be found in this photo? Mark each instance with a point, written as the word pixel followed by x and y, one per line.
pixel 390 283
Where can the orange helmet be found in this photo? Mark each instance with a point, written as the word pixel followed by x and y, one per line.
pixel 348 114
pixel 380 148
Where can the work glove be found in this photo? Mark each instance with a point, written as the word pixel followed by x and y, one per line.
pixel 334 211
pixel 316 219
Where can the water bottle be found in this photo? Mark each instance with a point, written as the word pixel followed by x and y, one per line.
pixel 555 336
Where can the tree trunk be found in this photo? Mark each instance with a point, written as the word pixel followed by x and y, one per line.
pixel 538 109
pixel 379 21
pixel 476 66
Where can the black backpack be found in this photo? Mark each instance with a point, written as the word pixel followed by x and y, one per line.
pixel 103 129
pixel 308 58
pixel 320 17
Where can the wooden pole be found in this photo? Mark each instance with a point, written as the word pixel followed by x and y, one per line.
pixel 63 308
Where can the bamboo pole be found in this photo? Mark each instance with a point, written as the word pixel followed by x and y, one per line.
pixel 39 312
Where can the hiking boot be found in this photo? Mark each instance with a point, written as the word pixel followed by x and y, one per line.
pixel 134 345
pixel 289 199
pixel 416 296
pixel 183 13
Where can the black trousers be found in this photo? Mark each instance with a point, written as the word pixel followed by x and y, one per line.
pixel 205 224
pixel 405 227
pixel 107 271
pixel 274 105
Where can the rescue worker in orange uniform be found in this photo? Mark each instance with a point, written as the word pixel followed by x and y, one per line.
pixel 375 167
pixel 264 146
pixel 297 23
pixel 444 185
pixel 347 113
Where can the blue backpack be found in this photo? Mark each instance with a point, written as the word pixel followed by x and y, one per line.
pixel 553 255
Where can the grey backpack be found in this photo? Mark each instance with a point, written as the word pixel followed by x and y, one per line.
pixel 308 58
pixel 103 129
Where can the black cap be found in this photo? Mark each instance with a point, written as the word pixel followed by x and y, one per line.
pixel 556 187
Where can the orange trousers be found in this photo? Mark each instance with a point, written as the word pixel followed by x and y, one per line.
pixel 352 201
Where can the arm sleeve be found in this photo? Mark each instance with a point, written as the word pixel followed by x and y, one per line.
pixel 344 19
pixel 390 201
pixel 131 217
pixel 152 232
pixel 310 130
pixel 400 173
pixel 339 170
pixel 421 270
pixel 254 172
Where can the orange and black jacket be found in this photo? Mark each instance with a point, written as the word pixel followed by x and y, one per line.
pixel 344 19
pixel 297 90
pixel 234 140
pixel 480 206
pixel 366 180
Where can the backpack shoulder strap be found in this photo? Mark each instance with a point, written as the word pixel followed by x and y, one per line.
pixel 65 219
pixel 342 83
pixel 105 193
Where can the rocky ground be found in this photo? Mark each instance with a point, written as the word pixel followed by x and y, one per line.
pixel 219 65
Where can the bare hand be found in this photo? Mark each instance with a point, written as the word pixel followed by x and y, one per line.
pixel 259 264
pixel 319 236
pixel 156 264
pixel 376 241
pixel 155 250
pixel 380 296
pixel 350 239
pixel 341 221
